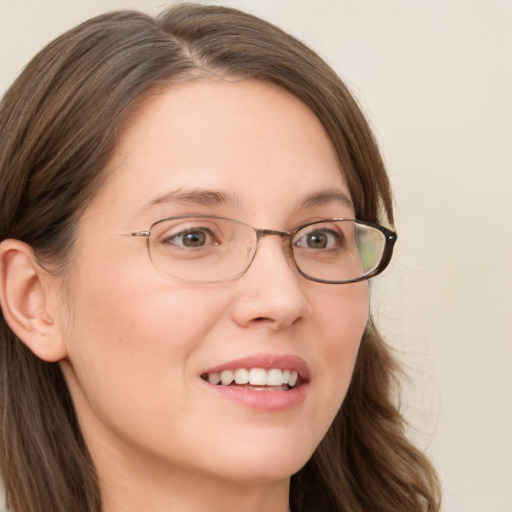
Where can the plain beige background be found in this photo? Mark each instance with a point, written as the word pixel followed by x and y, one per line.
pixel 435 78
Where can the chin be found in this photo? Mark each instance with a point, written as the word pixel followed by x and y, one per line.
pixel 256 461
pixel 265 473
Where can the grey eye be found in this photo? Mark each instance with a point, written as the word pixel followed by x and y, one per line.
pixel 191 238
pixel 320 239
pixel 317 240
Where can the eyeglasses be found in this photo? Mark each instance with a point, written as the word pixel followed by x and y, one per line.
pixel 209 249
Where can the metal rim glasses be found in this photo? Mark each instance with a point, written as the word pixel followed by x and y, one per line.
pixel 209 248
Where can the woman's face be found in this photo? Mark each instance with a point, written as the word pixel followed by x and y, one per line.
pixel 140 343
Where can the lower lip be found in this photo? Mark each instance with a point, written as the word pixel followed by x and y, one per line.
pixel 266 401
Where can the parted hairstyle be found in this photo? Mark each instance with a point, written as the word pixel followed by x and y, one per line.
pixel 59 124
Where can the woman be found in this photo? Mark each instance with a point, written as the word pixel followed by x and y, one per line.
pixel 158 351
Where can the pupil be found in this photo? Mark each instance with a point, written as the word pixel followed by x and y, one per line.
pixel 317 241
pixel 194 239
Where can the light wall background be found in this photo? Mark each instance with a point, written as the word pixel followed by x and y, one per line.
pixel 435 79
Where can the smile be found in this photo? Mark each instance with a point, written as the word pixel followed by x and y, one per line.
pixel 258 379
pixel 263 382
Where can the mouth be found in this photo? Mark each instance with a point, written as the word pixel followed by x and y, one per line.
pixel 256 379
pixel 263 382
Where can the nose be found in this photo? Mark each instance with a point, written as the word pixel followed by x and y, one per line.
pixel 271 292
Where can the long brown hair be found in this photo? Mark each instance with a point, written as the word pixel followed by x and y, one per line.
pixel 59 123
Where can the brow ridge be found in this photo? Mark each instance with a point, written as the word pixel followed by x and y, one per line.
pixel 212 198
pixel 327 196
pixel 200 197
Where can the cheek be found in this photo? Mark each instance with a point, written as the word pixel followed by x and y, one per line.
pixel 344 317
pixel 135 337
pixel 344 314
pixel 131 326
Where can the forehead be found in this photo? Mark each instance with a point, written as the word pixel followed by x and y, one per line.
pixel 249 140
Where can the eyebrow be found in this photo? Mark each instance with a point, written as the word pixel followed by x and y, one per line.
pixel 211 198
pixel 327 196
pixel 200 197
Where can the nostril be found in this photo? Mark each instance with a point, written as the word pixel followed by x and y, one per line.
pixel 261 319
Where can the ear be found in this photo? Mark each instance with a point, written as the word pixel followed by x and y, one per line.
pixel 24 297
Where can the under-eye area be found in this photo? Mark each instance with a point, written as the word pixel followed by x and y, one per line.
pixel 258 379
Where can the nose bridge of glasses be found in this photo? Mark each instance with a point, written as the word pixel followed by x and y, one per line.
pixel 261 233
pixel 285 241
pixel 284 235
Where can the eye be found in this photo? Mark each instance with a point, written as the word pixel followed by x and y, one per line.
pixel 191 238
pixel 320 239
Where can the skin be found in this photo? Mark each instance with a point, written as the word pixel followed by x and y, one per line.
pixel 135 341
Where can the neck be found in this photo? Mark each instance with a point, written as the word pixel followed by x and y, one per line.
pixel 129 486
pixel 191 493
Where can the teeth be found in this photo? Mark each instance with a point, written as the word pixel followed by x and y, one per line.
pixel 257 377
pixel 254 377
pixel 241 376
pixel 274 378
pixel 214 378
pixel 226 377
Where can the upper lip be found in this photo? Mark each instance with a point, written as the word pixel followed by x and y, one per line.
pixel 267 362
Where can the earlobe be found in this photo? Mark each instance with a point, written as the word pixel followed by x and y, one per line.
pixel 24 300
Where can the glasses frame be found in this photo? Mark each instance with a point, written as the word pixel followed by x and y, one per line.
pixel 390 238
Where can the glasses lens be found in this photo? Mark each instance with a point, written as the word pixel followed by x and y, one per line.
pixel 338 250
pixel 201 249
pixel 211 249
